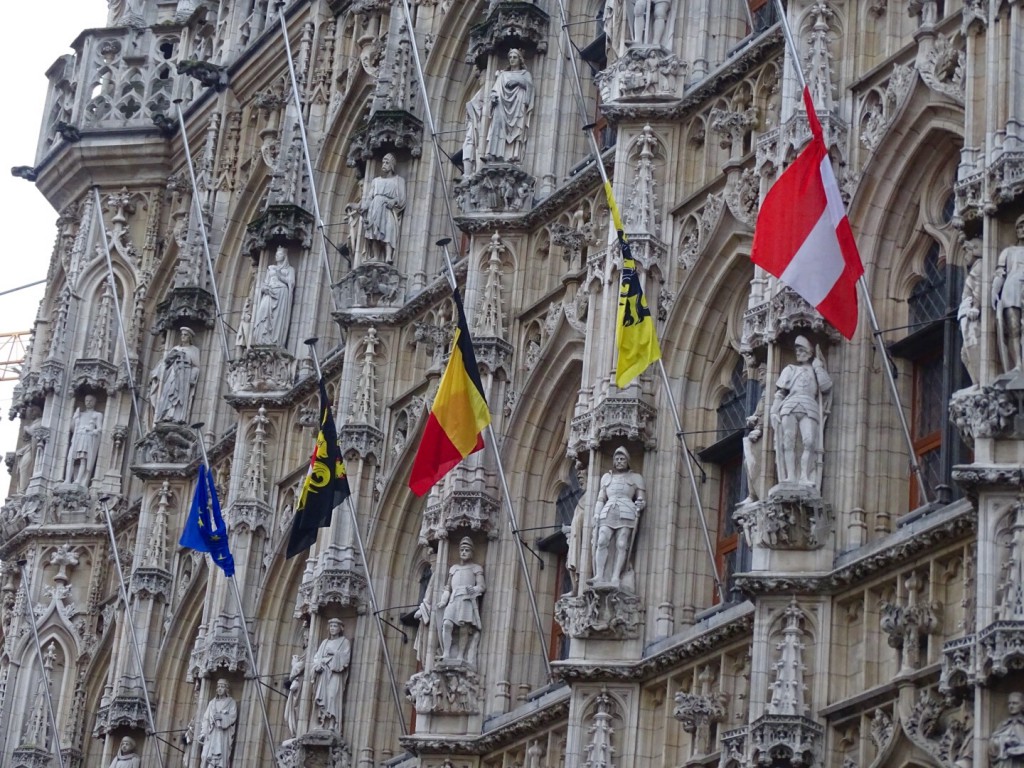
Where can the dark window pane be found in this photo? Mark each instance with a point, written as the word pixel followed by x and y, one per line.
pixel 732 411
pixel 928 300
pixel 732 494
pixel 930 413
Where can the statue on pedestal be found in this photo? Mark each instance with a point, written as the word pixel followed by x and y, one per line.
pixel 620 500
pixel 803 399
pixel 330 666
pixel 173 381
pixel 217 728
pixel 460 601
pixel 126 756
pixel 968 314
pixel 86 426
pixel 1008 299
pixel 510 110
pixel 274 302
pixel 26 455
pixel 382 212
pixel 1006 744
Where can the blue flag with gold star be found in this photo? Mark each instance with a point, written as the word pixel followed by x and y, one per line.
pixel 205 530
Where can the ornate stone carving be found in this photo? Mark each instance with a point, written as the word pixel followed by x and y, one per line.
pixel 151 584
pixel 285 225
pixel 794 519
pixel 986 412
pixel 969 196
pixel 958 665
pixel 879 107
pixel 323 749
pixel 909 625
pixel 509 23
pixel 495 188
pixel 222 647
pixel 185 305
pixel 789 312
pixel 166 444
pixel 92 375
pixel 699 711
pixel 371 285
pixel 600 750
pixel 1005 176
pixel 600 612
pixel 627 418
pixel 642 74
pixel 126 709
pixel 334 579
pixel 786 739
pixel 942 66
pixel 261 369
pixel 474 509
pixel 387 130
pixel 445 690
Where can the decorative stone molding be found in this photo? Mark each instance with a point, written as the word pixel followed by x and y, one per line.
pixel 450 690
pixel 207 73
pixel 387 130
pixel 973 477
pixel 697 713
pixel 1000 650
pixel 495 188
pixel 261 369
pixel 510 24
pixel 789 313
pixel 493 355
pixel 942 66
pixel 123 711
pixel 31 757
pixel 909 625
pixel 151 584
pixel 968 196
pixel 794 518
pixel 958 665
pixel 165 445
pixel 982 412
pixel 373 285
pixel 334 579
pixel 285 225
pixel 324 749
pixel 934 727
pixel 1006 177
pixel 642 74
pixel 249 515
pixel 628 418
pixel 186 305
pixel 786 739
pixel 361 440
pixel 221 649
pixel 600 612
pixel 94 376
pixel 466 509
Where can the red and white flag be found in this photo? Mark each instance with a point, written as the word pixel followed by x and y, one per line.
pixel 803 236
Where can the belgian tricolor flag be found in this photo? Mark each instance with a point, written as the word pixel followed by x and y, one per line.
pixel 326 484
pixel 458 416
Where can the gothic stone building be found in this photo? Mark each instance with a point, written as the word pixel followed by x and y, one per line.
pixel 866 618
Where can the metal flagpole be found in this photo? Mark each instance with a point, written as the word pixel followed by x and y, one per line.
pixel 241 615
pixel 581 104
pixel 198 208
pixel 369 581
pixel 876 331
pixel 128 621
pixel 42 662
pixel 428 115
pixel 117 310
pixel 306 155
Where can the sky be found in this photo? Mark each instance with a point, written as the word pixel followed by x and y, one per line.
pixel 32 36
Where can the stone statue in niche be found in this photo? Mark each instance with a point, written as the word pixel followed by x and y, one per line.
pixel 510 109
pixel 803 399
pixel 291 707
pixel 243 336
pixel 86 429
pixel 425 633
pixel 26 456
pixel 968 314
pixel 1006 744
pixel 461 603
pixel 471 143
pixel 650 22
pixel 382 211
pixel 173 381
pixel 217 728
pixel 1008 299
pixel 755 430
pixel 620 500
pixel 274 302
pixel 330 666
pixel 126 755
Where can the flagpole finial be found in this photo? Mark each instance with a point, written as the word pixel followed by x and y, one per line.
pixel 311 340
pixel 22 563
pixel 589 127
pixel 177 101
pixel 104 499
pixel 198 425
pixel 443 241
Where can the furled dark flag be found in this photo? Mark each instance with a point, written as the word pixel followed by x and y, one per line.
pixel 325 487
pixel 204 529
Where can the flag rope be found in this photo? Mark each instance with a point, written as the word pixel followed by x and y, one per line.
pixel 876 331
pixel 42 663
pixel 197 206
pixel 241 612
pixel 492 439
pixel 369 582
pixel 131 624
pixel 684 449
pixel 117 311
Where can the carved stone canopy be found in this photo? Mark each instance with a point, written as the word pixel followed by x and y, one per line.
pixel 387 130
pixel 510 24
pixel 185 306
pixel 284 225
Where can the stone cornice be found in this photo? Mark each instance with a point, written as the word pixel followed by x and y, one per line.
pixel 952 523
pixel 512 727
pixel 52 531
pixel 697 640
pixel 760 50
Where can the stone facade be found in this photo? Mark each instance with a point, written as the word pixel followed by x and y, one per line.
pixel 861 624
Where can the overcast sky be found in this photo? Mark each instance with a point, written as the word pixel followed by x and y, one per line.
pixel 32 36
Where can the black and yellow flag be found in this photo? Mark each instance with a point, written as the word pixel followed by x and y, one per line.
pixel 635 336
pixel 326 484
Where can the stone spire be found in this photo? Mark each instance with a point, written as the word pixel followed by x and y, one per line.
pixel 490 319
pixel 788 688
pixel 254 484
